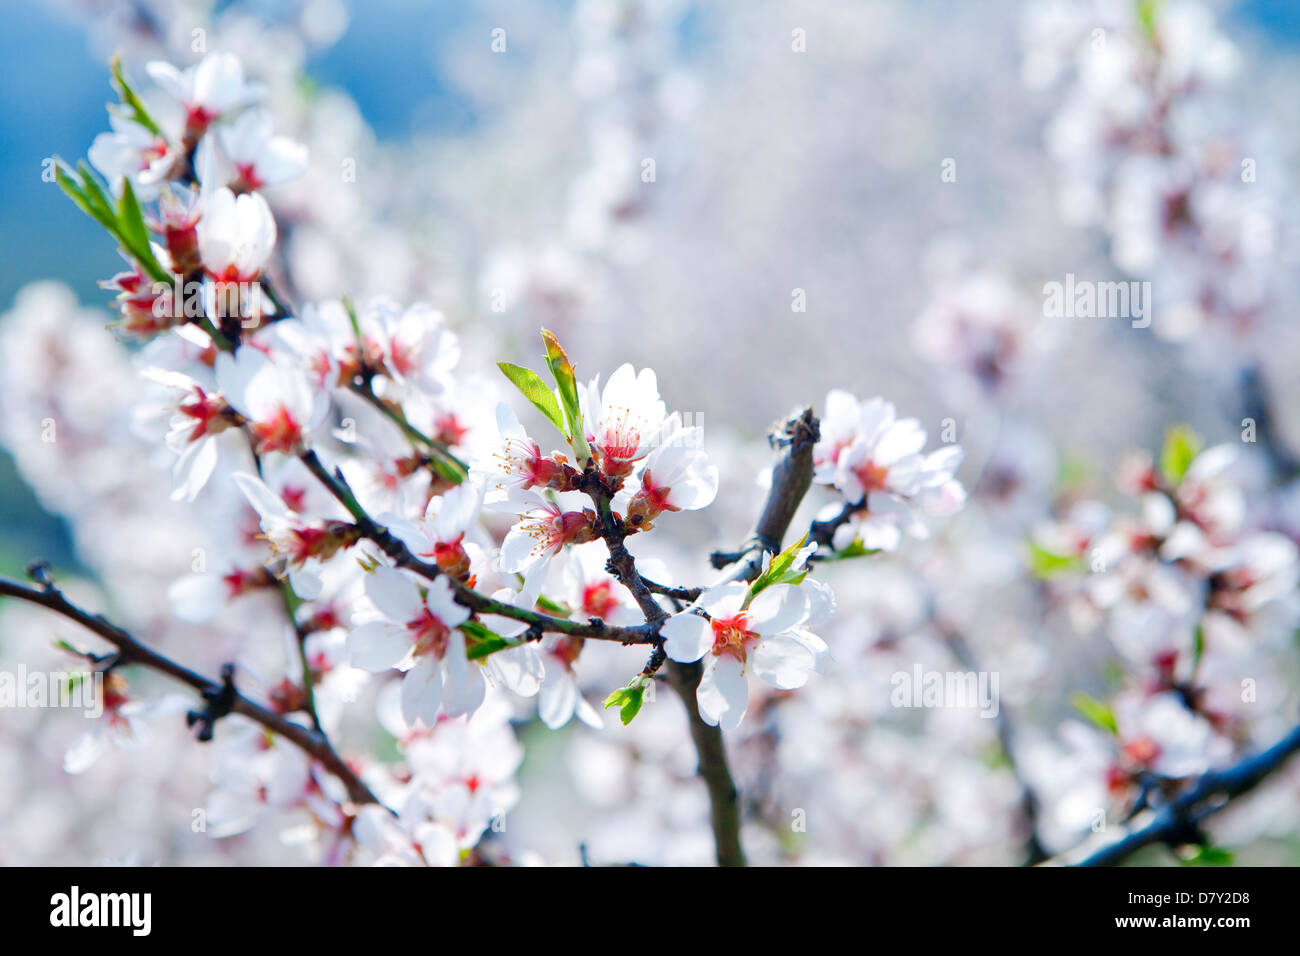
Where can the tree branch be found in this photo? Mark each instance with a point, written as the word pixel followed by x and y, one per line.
pixel 131 651
pixel 392 546
pixel 1179 821
pixel 791 479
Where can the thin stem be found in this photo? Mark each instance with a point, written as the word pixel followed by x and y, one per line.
pixel 1178 822
pixel 131 651
pixel 392 546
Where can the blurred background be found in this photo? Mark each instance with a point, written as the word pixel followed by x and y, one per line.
pixel 894 167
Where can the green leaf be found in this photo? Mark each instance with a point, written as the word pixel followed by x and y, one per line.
pixel 855 550
pixel 1209 856
pixel 128 97
pixel 484 641
pixel 628 699
pixel 71 185
pixel 1180 450
pixel 1198 645
pixel 131 218
pixel 778 572
pixel 553 608
pixel 1147 12
pixel 535 390
pixel 1048 564
pixel 567 384
pixel 125 223
pixel 1095 711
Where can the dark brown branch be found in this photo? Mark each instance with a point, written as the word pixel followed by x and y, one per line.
pixel 791 479
pixel 131 651
pixel 1178 822
pixel 392 546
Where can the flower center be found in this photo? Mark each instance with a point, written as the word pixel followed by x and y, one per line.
pixel 429 634
pixel 279 433
pixel 731 635
pixel 872 476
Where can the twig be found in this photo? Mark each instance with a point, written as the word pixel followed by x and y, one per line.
pixel 1178 822
pixel 791 479
pixel 220 696
pixel 392 546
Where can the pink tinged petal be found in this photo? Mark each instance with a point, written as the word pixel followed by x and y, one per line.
pixel 194 468
pixel 903 438
pixel 377 646
pixel 940 465
pixel 87 749
pixel 556 700
pixel 724 600
pixel 422 692
pixel 687 637
pixel 197 597
pixel 783 662
pixel 265 502
pixel 396 595
pixel 588 714
pixel 441 602
pixel 778 608
pixel 723 694
pixel 169 78
pixel 877 415
pixel 306 583
pixel 463 690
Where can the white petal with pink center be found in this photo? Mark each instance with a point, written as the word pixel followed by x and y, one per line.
pixel 236 235
pixel 738 639
pixel 625 418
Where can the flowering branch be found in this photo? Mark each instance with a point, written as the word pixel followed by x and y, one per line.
pixel 1178 823
pixel 401 555
pixel 131 651
pixel 791 479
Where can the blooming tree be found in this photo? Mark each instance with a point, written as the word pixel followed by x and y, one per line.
pixel 399 556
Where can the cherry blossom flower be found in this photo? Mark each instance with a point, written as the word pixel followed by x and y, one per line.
pixel 303 544
pixel 123 724
pixel 210 90
pixel 250 157
pixel 676 476
pixel 739 636
pixel 281 408
pixel 145 310
pixel 624 419
pixel 539 535
pixel 236 235
pixel 440 535
pixel 195 416
pixel 419 633
pixel 875 460
pixel 133 152
pixel 419 350
pixel 512 464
